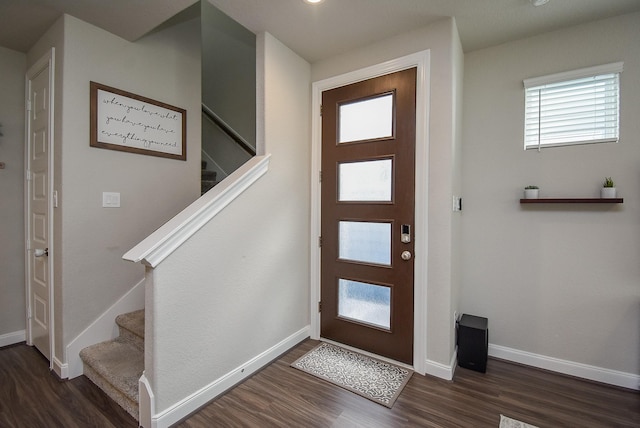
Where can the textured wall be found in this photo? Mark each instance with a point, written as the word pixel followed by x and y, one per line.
pixel 12 301
pixel 559 281
pixel 90 274
pixel 229 71
pixel 241 284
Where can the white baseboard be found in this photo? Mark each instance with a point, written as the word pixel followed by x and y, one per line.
pixel 198 399
pixel 13 337
pixel 440 370
pixel 103 328
pixel 62 370
pixel 598 374
pixel 146 402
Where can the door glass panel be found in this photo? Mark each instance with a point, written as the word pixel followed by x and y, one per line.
pixel 366 120
pixel 367 303
pixel 367 242
pixel 365 181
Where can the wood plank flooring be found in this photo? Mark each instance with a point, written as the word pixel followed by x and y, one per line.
pixel 280 396
pixel 31 396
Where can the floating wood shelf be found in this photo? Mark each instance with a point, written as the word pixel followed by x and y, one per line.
pixel 572 201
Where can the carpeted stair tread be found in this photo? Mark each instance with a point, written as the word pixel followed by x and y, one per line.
pixel 208 180
pixel 115 366
pixel 117 361
pixel 206 175
pixel 132 322
pixel 205 186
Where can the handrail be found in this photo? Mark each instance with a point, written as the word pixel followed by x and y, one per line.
pixel 228 130
pixel 171 235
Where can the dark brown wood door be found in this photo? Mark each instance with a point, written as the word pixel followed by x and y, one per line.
pixel 367 215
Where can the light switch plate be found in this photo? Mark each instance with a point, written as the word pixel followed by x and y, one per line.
pixel 457 203
pixel 111 199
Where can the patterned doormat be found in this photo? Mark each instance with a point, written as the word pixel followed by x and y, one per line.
pixel 506 422
pixel 376 380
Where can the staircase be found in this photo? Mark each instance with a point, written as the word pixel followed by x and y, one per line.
pixel 207 179
pixel 116 365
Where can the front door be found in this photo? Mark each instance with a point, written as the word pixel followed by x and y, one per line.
pixel 37 218
pixel 367 214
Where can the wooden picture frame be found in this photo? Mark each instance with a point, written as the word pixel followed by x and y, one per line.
pixel 132 123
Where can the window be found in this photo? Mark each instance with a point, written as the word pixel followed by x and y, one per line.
pixel 575 107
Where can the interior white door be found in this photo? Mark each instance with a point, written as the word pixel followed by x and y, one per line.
pixel 38 208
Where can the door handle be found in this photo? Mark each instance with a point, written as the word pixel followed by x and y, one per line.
pixel 39 252
pixel 406 255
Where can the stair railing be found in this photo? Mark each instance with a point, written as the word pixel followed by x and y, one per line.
pixel 228 130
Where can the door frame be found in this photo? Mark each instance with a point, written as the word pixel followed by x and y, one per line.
pixel 420 60
pixel 47 60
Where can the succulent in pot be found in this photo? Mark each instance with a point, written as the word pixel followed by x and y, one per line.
pixel 608 190
pixel 531 192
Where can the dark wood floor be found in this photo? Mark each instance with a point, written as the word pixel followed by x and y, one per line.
pixel 280 396
pixel 31 396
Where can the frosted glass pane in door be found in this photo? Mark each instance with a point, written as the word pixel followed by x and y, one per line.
pixel 365 181
pixel 368 303
pixel 367 242
pixel 366 120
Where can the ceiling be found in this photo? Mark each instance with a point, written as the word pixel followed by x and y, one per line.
pixel 319 31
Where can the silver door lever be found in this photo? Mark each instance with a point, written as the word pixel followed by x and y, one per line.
pixel 39 252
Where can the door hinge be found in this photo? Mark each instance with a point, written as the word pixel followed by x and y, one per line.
pixel 28 175
pixel 320 176
pixel 28 105
pixel 319 241
pixel 29 312
pixel 319 306
pixel 320 109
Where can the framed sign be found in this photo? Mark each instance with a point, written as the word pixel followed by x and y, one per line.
pixel 131 123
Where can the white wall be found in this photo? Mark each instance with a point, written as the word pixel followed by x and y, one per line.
pixel 457 186
pixel 12 300
pixel 240 285
pixel 446 62
pixel 90 274
pixel 229 68
pixel 563 280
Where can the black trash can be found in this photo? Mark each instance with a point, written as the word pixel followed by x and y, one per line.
pixel 473 342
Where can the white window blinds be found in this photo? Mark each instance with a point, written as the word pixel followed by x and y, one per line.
pixel 576 107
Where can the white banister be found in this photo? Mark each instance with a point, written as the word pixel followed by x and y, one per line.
pixel 161 243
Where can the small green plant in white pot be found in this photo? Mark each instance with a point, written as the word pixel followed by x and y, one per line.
pixel 608 190
pixel 531 192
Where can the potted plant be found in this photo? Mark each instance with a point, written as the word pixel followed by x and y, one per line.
pixel 608 190
pixel 531 192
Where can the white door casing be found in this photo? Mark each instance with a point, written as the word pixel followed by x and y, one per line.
pixel 39 205
pixel 421 60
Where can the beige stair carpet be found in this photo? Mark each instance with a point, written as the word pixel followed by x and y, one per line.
pixel 116 365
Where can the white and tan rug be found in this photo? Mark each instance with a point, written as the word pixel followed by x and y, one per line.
pixel 376 380
pixel 506 422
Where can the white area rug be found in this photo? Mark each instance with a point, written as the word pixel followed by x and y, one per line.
pixel 376 380
pixel 506 422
